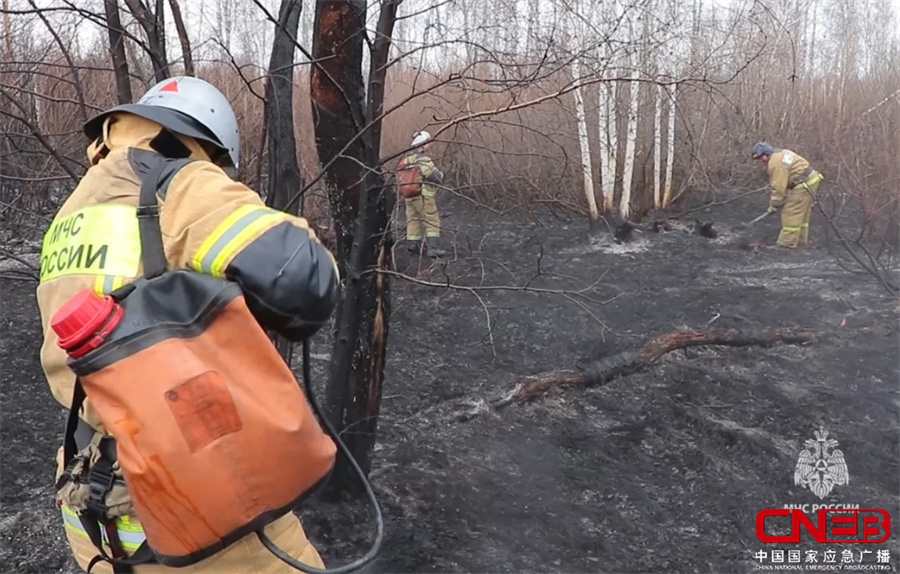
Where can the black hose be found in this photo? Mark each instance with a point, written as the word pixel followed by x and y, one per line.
pixel 379 521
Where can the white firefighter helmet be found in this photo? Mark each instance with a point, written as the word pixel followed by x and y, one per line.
pixel 188 106
pixel 420 138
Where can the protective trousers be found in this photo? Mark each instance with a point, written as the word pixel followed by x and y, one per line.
pixel 245 555
pixel 422 218
pixel 795 216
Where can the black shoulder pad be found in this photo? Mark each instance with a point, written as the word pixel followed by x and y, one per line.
pixel 143 161
pixel 289 281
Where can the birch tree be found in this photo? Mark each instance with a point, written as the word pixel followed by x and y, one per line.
pixel 657 145
pixel 675 47
pixel 608 127
pixel 671 93
pixel 632 113
pixel 583 142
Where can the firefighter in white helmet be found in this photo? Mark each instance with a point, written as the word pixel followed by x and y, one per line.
pixel 211 224
pixel 422 216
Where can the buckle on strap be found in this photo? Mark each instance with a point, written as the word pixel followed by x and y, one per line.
pixel 67 473
pixel 147 211
pixel 100 482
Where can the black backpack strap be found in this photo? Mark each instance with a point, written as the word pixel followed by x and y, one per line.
pixel 155 172
pixel 143 555
pixel 153 254
pixel 69 447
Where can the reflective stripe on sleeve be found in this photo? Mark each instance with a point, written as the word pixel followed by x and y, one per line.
pixel 815 178
pixel 225 240
pixel 106 284
pixel 130 533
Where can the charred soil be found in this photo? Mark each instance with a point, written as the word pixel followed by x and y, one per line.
pixel 663 470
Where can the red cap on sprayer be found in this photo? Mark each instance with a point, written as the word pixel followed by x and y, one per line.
pixel 83 322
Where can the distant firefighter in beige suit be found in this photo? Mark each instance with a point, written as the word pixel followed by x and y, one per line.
pixel 794 184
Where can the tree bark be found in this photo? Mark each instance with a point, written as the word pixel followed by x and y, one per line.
pixel 8 32
pixel 284 177
pixel 632 123
pixel 584 146
pixel 183 38
pixel 117 51
pixel 668 188
pixel 154 27
pixel 381 48
pixel 608 126
pixel 360 208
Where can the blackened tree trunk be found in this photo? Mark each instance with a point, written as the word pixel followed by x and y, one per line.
pixel 378 69
pixel 183 38
pixel 284 170
pixel 360 208
pixel 153 24
pixel 117 51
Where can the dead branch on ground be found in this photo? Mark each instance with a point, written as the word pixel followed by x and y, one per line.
pixel 634 360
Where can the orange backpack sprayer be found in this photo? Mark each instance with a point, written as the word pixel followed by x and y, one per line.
pixel 409 180
pixel 214 437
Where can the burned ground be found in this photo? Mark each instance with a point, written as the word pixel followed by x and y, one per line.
pixel 660 471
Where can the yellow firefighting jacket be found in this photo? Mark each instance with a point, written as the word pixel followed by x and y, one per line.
pixel 787 169
pixel 210 224
pixel 431 175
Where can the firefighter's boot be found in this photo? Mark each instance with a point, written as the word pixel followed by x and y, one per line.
pixel 433 249
pixel 414 245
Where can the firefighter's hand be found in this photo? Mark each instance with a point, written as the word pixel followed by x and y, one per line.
pixel 772 210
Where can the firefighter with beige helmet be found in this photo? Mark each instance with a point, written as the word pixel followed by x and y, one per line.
pixel 422 216
pixel 793 184
pixel 181 137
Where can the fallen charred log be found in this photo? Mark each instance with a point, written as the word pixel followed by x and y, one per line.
pixel 635 360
